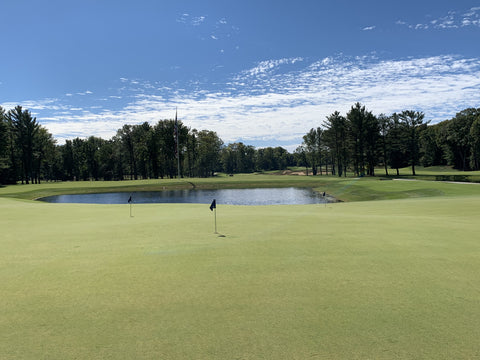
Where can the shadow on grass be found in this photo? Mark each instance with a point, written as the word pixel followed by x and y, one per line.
pixel 453 178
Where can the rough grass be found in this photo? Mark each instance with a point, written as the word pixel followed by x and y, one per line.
pixel 361 280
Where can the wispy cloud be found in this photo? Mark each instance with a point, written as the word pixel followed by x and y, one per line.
pixel 198 20
pixel 37 106
pixel 88 92
pixel 188 19
pixel 452 20
pixel 205 28
pixel 267 67
pixel 369 28
pixel 279 100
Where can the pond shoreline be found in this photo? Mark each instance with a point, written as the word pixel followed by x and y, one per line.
pixel 248 196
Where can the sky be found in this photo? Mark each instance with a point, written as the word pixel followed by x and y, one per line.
pixel 262 72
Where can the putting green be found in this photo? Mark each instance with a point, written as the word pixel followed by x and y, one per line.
pixel 382 280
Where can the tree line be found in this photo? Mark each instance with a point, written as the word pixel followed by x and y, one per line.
pixel 29 153
pixel 362 142
pixel 359 142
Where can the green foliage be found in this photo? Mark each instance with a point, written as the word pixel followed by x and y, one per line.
pixel 209 146
pixel 358 129
pixel 25 129
pixel 459 141
pixel 269 158
pixel 399 140
pixel 336 140
pixel 474 137
pixel 313 143
pixel 4 164
pixel 431 150
pixel 413 124
pixel 238 158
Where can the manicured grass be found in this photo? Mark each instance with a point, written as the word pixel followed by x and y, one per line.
pixel 393 279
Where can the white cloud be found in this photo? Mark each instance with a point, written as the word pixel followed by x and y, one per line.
pixel 267 66
pixel 280 100
pixel 88 92
pixel 36 106
pixel 183 18
pixel 187 19
pixel 452 20
pixel 369 28
pixel 196 21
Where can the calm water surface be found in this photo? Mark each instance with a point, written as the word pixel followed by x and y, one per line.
pixel 276 196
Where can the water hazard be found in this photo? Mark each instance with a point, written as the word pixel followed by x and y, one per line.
pixel 259 196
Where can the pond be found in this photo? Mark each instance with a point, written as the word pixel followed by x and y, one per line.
pixel 259 196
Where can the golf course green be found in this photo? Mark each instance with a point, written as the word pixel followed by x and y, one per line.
pixel 395 278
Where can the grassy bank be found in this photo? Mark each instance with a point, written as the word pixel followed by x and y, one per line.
pixel 344 189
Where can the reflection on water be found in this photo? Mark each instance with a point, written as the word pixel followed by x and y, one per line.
pixel 275 196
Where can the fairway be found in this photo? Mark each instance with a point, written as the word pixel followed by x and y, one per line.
pixel 393 279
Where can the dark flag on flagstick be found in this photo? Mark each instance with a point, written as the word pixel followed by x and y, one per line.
pixel 130 199
pixel 213 205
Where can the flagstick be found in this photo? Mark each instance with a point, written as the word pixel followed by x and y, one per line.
pixel 215 212
pixel 213 207
pixel 130 203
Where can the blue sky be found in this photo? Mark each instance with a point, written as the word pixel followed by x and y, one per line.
pixel 262 72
